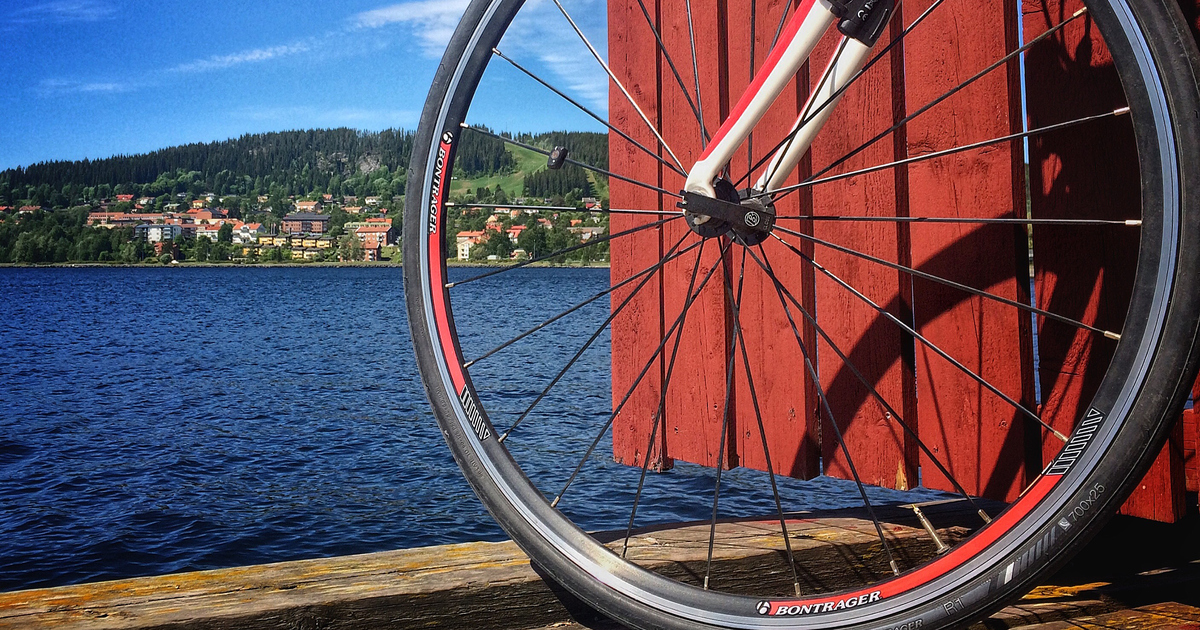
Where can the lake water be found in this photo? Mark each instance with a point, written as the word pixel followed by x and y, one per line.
pixel 161 420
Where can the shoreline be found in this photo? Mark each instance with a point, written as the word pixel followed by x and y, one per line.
pixel 322 265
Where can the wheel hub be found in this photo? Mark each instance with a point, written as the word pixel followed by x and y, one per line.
pixel 748 217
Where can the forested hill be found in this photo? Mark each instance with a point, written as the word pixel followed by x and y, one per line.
pixel 280 164
pixel 293 162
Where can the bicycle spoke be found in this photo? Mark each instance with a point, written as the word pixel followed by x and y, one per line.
pixel 937 154
pixel 596 335
pixel 779 29
pixel 588 112
pixel 849 82
pixel 696 69
pixel 617 82
pixel 942 353
pixel 662 403
pixel 566 250
pixel 955 90
pixel 954 285
pixel 637 381
pixel 781 291
pixel 509 206
pixel 712 528
pixel 594 169
pixel 762 432
pixel 671 63
pixel 671 255
pixel 810 367
pixel 968 220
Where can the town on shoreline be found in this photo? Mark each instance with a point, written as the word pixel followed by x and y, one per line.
pixel 320 230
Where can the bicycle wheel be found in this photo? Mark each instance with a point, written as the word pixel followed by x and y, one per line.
pixel 548 475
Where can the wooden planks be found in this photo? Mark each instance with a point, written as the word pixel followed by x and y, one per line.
pixel 991 447
pixel 979 436
pixel 1085 272
pixel 696 392
pixel 492 586
pixel 878 448
pixel 486 586
pixel 1160 494
pixel 1076 173
pixel 785 391
pixel 638 328
pixel 1166 616
pixel 1191 431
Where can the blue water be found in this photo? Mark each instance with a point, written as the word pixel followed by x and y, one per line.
pixel 163 420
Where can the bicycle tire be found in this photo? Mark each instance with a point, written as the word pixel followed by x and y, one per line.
pixel 1143 389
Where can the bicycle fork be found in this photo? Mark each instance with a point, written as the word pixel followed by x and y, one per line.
pixel 749 213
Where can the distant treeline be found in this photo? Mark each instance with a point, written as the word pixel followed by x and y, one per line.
pixel 278 165
pixel 587 147
pixel 480 154
pixel 337 161
pixel 569 179
pixel 63 235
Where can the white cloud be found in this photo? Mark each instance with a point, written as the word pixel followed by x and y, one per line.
pixel 220 62
pixel 432 21
pixel 581 77
pixel 49 87
pixel 541 32
pixel 64 11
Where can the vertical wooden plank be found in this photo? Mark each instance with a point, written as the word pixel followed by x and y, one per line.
pixel 1160 494
pixel 696 390
pixel 784 389
pixel 976 434
pixel 637 331
pixel 873 436
pixel 1086 172
pixel 1085 273
pixel 1191 463
pixel 1191 443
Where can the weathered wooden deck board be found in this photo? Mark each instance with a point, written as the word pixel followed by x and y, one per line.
pixel 492 586
pixel 1160 616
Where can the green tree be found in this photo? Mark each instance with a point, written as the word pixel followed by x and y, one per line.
pixel 350 248
pixel 201 250
pixel 496 244
pixel 534 240
pixel 225 234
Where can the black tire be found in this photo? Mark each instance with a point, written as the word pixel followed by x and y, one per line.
pixel 1143 391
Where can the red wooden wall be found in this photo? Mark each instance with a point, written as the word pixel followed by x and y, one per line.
pixel 991 449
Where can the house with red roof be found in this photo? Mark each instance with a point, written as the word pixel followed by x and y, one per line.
pixel 382 234
pixel 248 233
pixel 514 233
pixel 466 240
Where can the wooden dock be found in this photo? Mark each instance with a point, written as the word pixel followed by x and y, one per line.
pixel 1136 574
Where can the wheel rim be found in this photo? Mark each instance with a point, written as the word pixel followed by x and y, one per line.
pixel 1008 534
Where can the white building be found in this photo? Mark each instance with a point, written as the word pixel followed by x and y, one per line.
pixel 248 233
pixel 156 233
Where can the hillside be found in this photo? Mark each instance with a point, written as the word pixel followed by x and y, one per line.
pixel 289 164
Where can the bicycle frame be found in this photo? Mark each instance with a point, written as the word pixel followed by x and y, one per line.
pixel 797 41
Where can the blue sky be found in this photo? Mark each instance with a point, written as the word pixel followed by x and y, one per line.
pixel 95 78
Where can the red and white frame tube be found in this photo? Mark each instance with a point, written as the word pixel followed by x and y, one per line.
pixel 796 43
